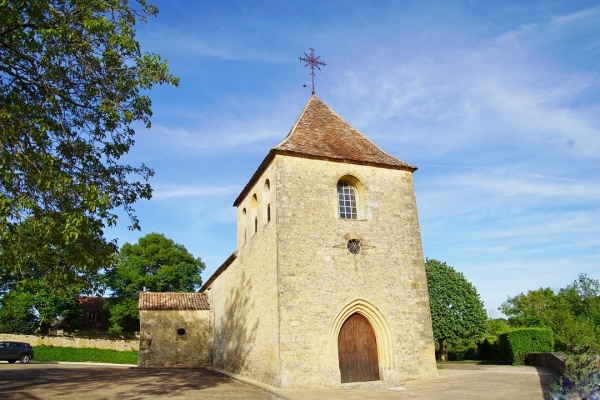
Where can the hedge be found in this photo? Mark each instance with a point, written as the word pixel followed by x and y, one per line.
pixel 51 353
pixel 515 344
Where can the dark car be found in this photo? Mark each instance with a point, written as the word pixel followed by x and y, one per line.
pixel 16 351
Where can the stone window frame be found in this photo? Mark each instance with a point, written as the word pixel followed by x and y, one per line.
pixel 254 212
pixel 244 225
pixel 354 189
pixel 267 203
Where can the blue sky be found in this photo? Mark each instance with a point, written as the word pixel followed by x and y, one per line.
pixel 496 102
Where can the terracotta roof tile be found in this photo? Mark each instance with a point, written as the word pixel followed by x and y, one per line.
pixel 319 133
pixel 173 301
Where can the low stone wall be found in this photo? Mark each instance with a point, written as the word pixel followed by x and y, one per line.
pixel 556 361
pixel 79 343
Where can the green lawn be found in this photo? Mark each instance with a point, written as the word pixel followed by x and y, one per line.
pixel 71 354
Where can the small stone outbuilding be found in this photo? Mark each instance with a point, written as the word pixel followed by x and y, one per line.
pixel 174 330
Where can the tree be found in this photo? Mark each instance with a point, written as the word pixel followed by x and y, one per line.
pixel 52 280
pixel 155 263
pixel 73 83
pixel 457 312
pixel 573 313
pixel 531 309
pixel 17 315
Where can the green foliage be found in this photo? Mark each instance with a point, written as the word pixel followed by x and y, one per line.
pixel 495 327
pixel 489 349
pixel 70 354
pixel 457 312
pixel 582 375
pixel 72 86
pixel 517 343
pixel 17 314
pixel 573 313
pixel 460 352
pixel 155 263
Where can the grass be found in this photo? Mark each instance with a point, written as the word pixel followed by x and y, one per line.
pixel 71 354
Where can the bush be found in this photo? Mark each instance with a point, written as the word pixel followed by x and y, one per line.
pixel 488 349
pixel 461 353
pixel 582 375
pixel 515 344
pixel 71 354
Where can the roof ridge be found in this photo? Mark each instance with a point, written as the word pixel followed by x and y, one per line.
pixel 313 97
pixel 321 136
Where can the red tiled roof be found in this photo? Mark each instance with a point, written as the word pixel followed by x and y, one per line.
pixel 173 301
pixel 319 133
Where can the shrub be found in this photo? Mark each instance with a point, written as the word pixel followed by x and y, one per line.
pixel 582 375
pixel 71 354
pixel 488 349
pixel 515 344
pixel 461 353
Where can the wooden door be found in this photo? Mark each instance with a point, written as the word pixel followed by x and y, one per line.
pixel 357 349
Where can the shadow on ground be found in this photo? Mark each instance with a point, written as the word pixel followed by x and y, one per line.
pixel 46 381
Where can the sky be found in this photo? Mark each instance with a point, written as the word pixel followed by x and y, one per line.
pixel 496 102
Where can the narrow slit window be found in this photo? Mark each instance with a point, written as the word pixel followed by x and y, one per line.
pixel 255 224
pixel 347 200
pixel 269 212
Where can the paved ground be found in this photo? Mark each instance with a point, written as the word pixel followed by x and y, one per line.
pixel 40 381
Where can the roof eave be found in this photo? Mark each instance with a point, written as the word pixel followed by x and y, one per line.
pixel 218 272
pixel 274 152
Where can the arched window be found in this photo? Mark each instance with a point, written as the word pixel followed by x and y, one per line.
pixel 254 212
pixel 244 225
pixel 267 196
pixel 346 200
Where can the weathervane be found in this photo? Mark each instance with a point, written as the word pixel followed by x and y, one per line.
pixel 313 62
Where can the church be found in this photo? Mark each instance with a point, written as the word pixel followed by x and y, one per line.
pixel 327 284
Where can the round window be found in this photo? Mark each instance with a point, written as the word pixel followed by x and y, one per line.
pixel 181 331
pixel 354 246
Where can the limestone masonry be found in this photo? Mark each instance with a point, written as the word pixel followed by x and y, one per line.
pixel 328 281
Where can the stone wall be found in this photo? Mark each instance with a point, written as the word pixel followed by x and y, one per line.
pixel 175 339
pixel 555 361
pixel 278 308
pixel 321 283
pixel 244 298
pixel 76 342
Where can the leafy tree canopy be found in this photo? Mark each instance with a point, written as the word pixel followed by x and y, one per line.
pixel 17 315
pixel 573 312
pixel 457 312
pixel 73 84
pixel 155 263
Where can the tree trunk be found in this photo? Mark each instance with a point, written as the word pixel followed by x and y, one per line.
pixel 443 353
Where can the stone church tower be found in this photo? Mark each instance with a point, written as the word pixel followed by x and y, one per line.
pixel 328 281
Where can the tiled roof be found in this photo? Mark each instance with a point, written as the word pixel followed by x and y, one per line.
pixel 173 301
pixel 319 133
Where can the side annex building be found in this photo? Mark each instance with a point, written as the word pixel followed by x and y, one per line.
pixel 328 283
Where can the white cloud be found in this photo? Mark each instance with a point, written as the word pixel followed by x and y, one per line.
pixel 190 191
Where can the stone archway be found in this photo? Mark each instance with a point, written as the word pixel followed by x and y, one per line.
pixel 378 326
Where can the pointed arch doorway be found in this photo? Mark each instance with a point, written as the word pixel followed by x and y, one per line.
pixel 357 350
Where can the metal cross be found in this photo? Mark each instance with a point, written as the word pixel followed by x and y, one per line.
pixel 313 62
